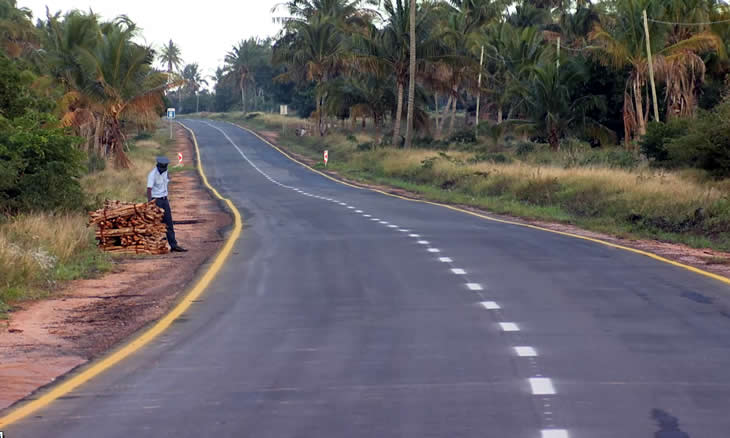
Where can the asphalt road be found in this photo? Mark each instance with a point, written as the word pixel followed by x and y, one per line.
pixel 333 319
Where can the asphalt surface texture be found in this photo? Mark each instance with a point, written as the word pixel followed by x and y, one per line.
pixel 347 313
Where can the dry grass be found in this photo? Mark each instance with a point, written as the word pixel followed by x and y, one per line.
pixel 123 184
pixel 38 249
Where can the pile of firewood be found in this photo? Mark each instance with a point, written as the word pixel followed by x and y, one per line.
pixel 128 228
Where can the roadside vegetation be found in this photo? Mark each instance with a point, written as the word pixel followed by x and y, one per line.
pixel 80 102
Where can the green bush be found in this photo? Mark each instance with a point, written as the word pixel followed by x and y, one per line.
pixel 39 162
pixel 525 148
pixel 706 144
pixel 658 135
pixel 467 136
pixel 39 165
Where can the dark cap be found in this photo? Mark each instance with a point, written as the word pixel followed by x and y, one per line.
pixel 163 160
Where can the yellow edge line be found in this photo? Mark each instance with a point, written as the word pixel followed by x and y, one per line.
pixel 489 218
pixel 99 367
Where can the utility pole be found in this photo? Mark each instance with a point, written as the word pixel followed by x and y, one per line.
pixel 651 67
pixel 479 85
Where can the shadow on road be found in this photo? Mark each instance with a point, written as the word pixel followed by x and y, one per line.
pixel 668 425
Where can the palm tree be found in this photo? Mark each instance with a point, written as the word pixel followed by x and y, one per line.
pixel 385 52
pixel 108 78
pixel 411 74
pixel 241 62
pixel 313 51
pixel 551 105
pixel 17 33
pixel 621 45
pixel 170 56
pixel 193 79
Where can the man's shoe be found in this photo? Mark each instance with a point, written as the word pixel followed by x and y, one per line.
pixel 178 249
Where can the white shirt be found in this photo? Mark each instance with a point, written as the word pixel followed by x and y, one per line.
pixel 158 183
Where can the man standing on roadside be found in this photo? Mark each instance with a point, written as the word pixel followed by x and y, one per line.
pixel 157 182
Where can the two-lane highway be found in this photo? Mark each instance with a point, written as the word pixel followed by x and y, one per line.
pixel 347 313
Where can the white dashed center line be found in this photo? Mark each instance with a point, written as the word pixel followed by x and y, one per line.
pixel 490 305
pixel 358 211
pixel 525 351
pixel 414 235
pixel 509 327
pixel 423 242
pixel 445 259
pixel 541 386
pixel 458 271
pixel 474 286
pixel 555 433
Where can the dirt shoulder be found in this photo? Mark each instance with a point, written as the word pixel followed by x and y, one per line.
pixel 717 262
pixel 46 339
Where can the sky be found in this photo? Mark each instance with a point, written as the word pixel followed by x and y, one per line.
pixel 204 31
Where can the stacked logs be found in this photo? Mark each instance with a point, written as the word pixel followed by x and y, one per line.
pixel 128 228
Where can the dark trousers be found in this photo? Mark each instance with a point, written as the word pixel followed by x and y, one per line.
pixel 164 204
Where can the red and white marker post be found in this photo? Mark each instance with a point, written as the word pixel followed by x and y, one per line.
pixel 179 159
pixel 326 157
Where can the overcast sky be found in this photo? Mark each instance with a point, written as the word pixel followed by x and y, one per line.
pixel 203 30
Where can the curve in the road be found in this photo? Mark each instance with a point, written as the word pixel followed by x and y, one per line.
pixel 98 367
pixel 490 218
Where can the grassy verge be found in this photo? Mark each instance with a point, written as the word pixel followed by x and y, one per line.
pixel 585 189
pixel 40 250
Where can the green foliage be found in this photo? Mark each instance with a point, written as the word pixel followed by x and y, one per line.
pixel 39 165
pixel 658 136
pixel 706 144
pixel 466 136
pixel 39 161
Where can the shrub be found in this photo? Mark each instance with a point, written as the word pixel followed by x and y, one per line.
pixel 658 135
pixel 39 165
pixel 524 148
pixel 706 144
pixel 366 146
pixel 466 136
pixel 494 157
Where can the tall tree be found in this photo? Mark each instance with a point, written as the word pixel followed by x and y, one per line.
pixel 241 62
pixel 411 75
pixel 171 56
pixel 193 81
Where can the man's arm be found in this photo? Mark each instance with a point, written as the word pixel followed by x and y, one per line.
pixel 149 194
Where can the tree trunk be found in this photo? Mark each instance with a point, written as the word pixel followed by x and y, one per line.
pixel 411 75
pixel 197 102
pixel 436 107
pixel 442 118
pixel 453 115
pixel 398 112
pixel 554 139
pixel 499 115
pixel 641 121
pixel 243 100
pixel 377 128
